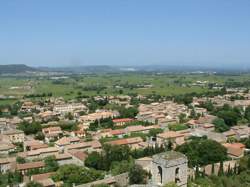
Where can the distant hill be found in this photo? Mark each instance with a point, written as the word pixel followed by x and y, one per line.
pixel 83 69
pixel 15 68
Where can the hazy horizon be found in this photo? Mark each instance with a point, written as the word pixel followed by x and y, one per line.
pixel 125 33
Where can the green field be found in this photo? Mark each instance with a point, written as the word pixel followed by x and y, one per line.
pixel 164 84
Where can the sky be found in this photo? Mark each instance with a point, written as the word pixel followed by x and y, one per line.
pixel 125 32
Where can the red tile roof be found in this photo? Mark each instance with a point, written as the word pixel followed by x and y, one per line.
pixel 123 120
pixel 126 141
pixel 30 165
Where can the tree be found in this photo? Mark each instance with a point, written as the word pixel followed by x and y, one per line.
pixel 115 153
pixel 72 174
pixel 182 117
pixel 137 175
pixel 247 113
pixel 95 160
pixel 221 169
pixel 39 136
pixel 230 117
pixel 154 132
pixel 33 184
pixel 51 164
pixel 28 128
pixel 69 116
pixel 208 105
pixel 220 125
pixel 121 167
pixel 203 152
pixel 20 160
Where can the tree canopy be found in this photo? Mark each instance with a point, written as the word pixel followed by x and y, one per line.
pixel 203 152
pixel 72 174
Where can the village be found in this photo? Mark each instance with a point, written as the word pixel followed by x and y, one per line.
pixel 71 133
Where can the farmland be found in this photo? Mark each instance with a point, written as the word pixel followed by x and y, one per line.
pixel 111 84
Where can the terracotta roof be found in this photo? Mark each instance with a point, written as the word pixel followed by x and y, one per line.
pixel 135 128
pixel 63 156
pixel 237 152
pixel 229 133
pixel 40 146
pixel 126 141
pixel 30 165
pixel 235 149
pixel 32 142
pixel 14 131
pixel 67 140
pixel 52 129
pixel 125 120
pixel 42 176
pixel 117 132
pixel 39 151
pixel 94 144
pixel 47 182
pixel 236 145
pixel 79 154
pixel 170 134
pixel 7 160
pixel 6 146
pixel 208 125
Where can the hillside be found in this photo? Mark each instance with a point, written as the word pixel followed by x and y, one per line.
pixel 15 68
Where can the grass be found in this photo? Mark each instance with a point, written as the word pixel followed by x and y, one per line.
pixel 165 85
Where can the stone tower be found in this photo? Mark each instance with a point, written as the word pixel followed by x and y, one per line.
pixel 168 167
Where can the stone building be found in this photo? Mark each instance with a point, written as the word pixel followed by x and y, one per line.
pixel 169 167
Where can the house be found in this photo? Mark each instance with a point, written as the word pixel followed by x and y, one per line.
pixel 145 163
pixel 6 148
pixel 98 115
pixel 28 106
pixel 3 124
pixel 241 132
pixel 122 121
pixel 7 164
pixel 69 108
pixel 47 115
pixel 85 146
pixel 24 168
pixel 229 134
pixel 207 127
pixel 140 129
pixel 44 179
pixel 64 158
pixel 208 169
pixel 131 142
pixel 39 153
pixel 28 119
pixel 52 133
pixel 218 137
pixel 235 150
pixel 161 113
pixel 104 133
pixel 175 137
pixel 134 129
pixel 14 135
pixel 66 141
pixel 78 156
pixel 193 123
pixel 33 145
pixel 79 133
pixel 206 119
pixel 201 111
pixel 118 132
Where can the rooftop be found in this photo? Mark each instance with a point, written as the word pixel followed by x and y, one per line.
pixel 169 155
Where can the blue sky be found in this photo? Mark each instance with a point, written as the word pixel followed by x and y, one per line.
pixel 125 32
